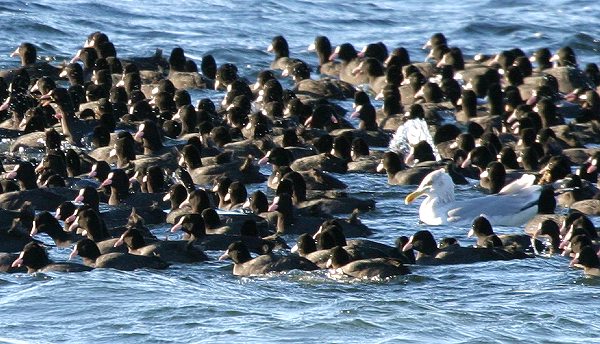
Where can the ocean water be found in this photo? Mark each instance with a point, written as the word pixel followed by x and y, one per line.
pixel 537 300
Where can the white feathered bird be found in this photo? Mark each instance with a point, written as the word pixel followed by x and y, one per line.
pixel 514 205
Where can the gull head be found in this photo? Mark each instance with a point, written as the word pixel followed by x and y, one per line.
pixel 436 184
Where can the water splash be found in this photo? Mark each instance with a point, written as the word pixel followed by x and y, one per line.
pixel 409 134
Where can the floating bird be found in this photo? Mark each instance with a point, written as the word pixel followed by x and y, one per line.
pixel 512 206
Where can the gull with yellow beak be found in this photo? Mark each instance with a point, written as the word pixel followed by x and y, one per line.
pixel 514 205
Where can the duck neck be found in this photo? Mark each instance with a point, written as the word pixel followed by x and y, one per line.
pixel 496 186
pixel 39 264
pixel 299 197
pixel 193 164
pixel 175 204
pixel 421 255
pixel 89 261
pixel 58 234
pixel 123 161
pixel 116 196
pixel 555 242
pixel 66 123
pixel 222 202
pixel 152 146
pixel 283 221
pixel 27 184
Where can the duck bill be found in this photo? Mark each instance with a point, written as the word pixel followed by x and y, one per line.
pixel 574 263
pixel 73 227
pixel 224 255
pixel 119 242
pixel 76 58
pixel 73 254
pixel 15 53
pixel 71 218
pixel 139 135
pixel 471 233
pixel 308 121
pixel 5 105
pixel 411 197
pixel 264 160
pixel 11 175
pixel 466 163
pixel 106 182
pixel 176 228
pixel 34 229
pixel 591 169
pixel 17 263
pixel 275 205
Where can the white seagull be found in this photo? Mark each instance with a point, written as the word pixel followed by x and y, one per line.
pixel 514 205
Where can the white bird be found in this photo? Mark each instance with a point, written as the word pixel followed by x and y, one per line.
pixel 514 205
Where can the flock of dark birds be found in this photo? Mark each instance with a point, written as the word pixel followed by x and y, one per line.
pixel 102 148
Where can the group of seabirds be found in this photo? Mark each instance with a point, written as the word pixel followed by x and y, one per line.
pixel 103 147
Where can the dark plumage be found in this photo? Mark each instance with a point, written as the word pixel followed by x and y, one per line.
pixel 245 265
pixel 89 252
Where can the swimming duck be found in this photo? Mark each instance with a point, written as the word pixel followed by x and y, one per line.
pixel 429 253
pixel 27 52
pixel 194 229
pixel 350 61
pixel 171 251
pixel 92 257
pixel 481 228
pixel 374 268
pixel 588 259
pixel 279 46
pixel 322 47
pixel 119 186
pixel 245 265
pixel 35 258
pixel 46 223
pixel 41 198
pixel 322 88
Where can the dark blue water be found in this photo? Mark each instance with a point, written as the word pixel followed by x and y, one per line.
pixel 538 300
